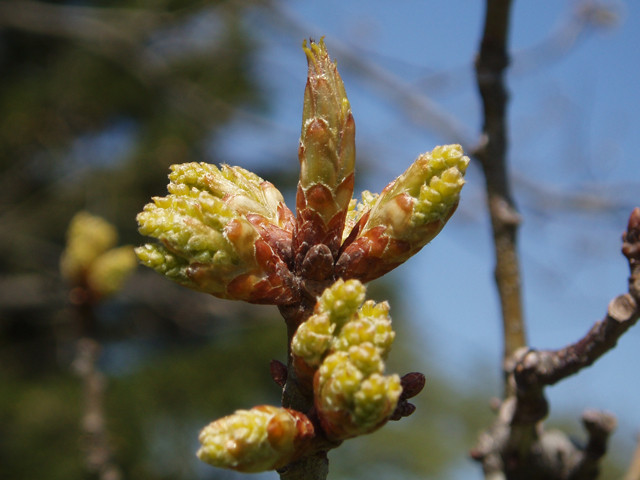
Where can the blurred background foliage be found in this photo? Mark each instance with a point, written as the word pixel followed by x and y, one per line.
pixel 97 99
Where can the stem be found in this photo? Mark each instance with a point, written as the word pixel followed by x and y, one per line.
pixel 95 438
pixel 98 454
pixel 299 397
pixel 490 65
pixel 294 394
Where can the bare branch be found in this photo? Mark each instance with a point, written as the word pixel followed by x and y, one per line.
pixel 535 369
pixel 516 443
pixel 490 66
pixel 94 441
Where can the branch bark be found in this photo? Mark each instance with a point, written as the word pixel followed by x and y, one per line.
pixel 94 441
pixel 516 446
pixel 491 153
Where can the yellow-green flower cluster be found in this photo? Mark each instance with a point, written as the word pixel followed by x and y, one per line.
pixel 206 237
pixel 425 193
pixel 89 258
pixel 353 397
pixel 347 342
pixel 263 438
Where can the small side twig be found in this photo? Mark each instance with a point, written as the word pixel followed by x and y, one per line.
pixel 534 370
pixel 517 445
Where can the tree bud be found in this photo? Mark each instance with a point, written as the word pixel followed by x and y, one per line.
pixel 110 270
pixel 88 237
pixel 407 215
pixel 327 157
pixel 263 438
pixel 90 261
pixel 223 231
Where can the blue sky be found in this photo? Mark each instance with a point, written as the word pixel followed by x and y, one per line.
pixel 574 118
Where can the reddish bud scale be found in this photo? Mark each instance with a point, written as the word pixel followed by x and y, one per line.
pixel 375 253
pixel 304 374
pixel 412 384
pixel 279 372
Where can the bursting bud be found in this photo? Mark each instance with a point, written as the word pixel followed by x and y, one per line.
pixel 336 306
pixel 327 162
pixel 223 231
pixel 90 261
pixel 111 269
pixel 263 438
pixel 88 237
pixel 406 216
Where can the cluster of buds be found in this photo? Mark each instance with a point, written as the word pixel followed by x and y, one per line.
pixel 227 232
pixel 90 260
pixel 344 345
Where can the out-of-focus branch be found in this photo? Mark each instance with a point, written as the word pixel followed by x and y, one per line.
pixel 633 473
pixel 490 65
pixel 418 107
pixel 517 446
pixel 91 23
pixel 586 17
pixel 122 37
pixel 549 367
pixel 94 440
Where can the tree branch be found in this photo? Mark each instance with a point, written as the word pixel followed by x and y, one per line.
pixel 94 440
pixel 516 444
pixel 536 369
pixel 490 65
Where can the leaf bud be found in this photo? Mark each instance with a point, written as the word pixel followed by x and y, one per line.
pixel 327 157
pixel 335 307
pixel 109 271
pixel 352 396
